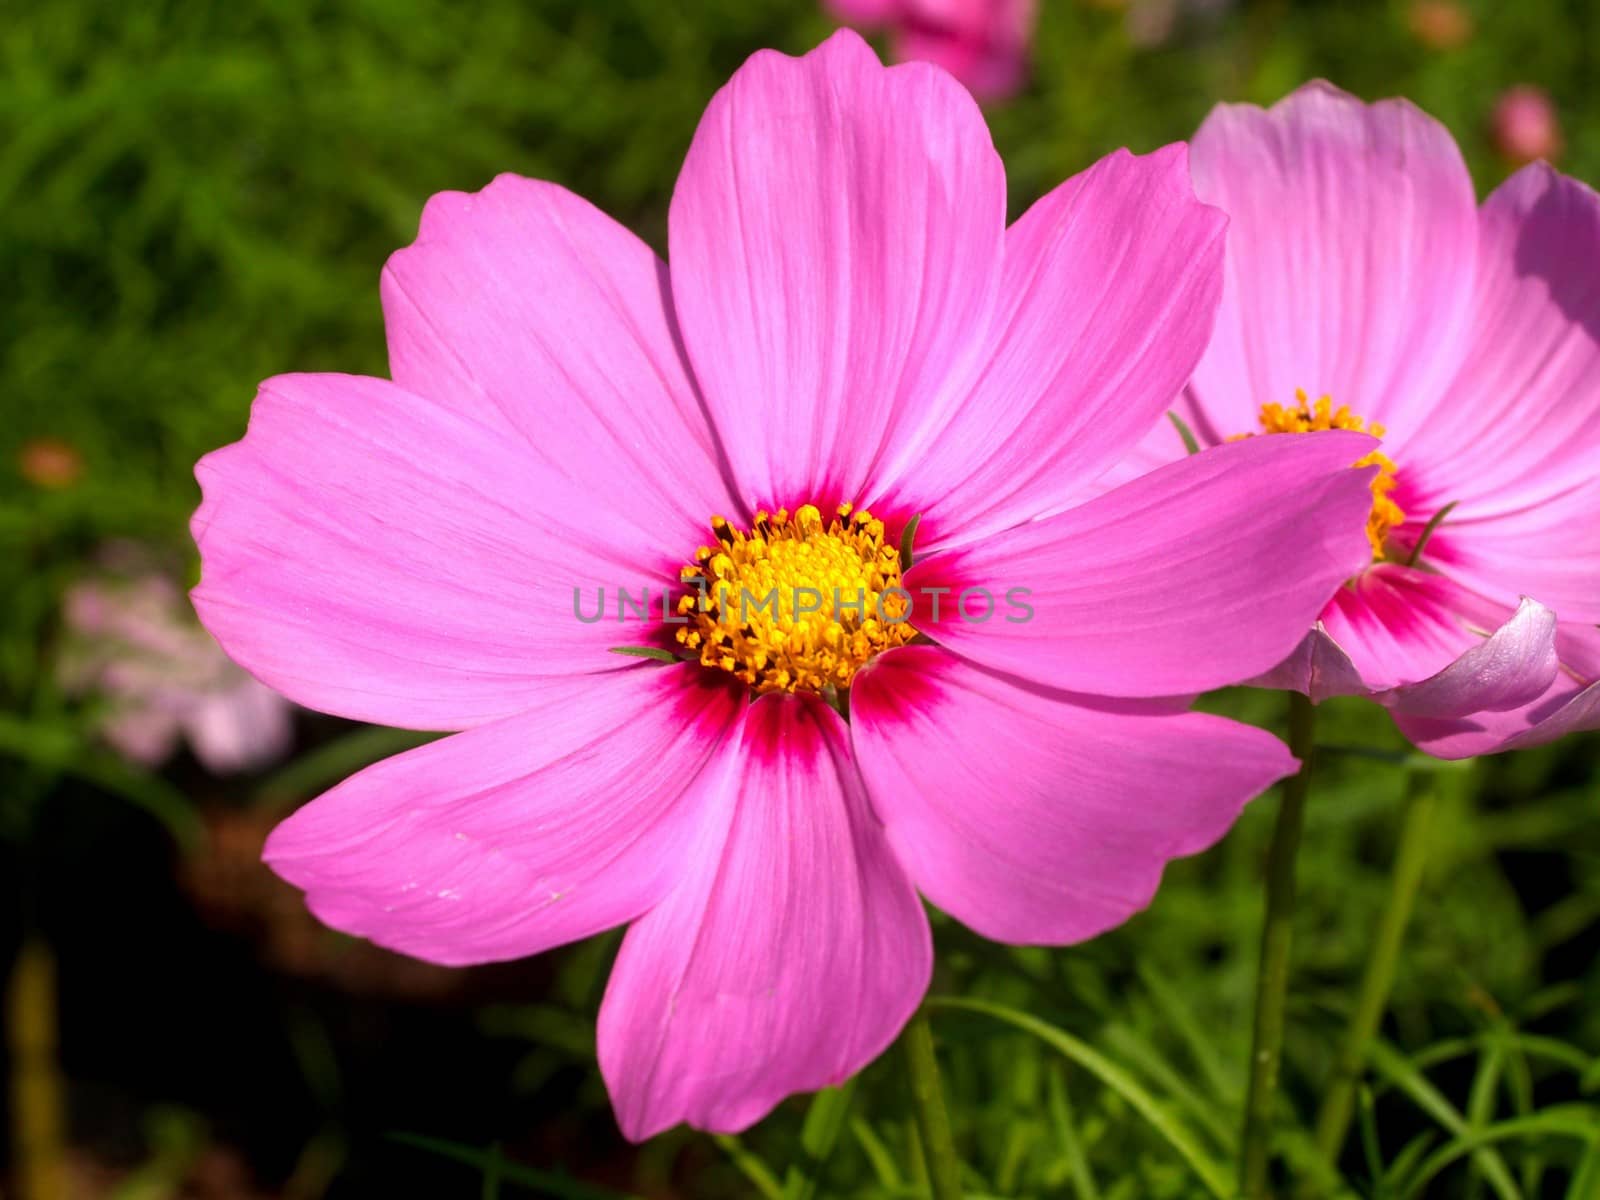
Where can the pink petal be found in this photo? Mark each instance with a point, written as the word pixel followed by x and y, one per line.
pixel 1037 816
pixel 1161 444
pixel 526 302
pixel 1511 667
pixel 836 243
pixel 1550 549
pixel 1570 704
pixel 1109 289
pixel 1520 419
pixel 789 956
pixel 375 554
pixel 540 829
pixel 1205 572
pixel 1400 626
pixel 1350 256
pixel 1319 667
pixel 1516 442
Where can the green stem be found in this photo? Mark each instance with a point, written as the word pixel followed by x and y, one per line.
pixel 1272 983
pixel 1338 1102
pixel 933 1119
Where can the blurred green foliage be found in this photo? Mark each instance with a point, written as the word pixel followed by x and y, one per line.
pixel 195 196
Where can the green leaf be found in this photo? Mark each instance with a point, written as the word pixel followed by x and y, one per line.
pixel 652 652
pixel 907 537
pixel 1190 443
pixel 1427 532
pixel 1177 1135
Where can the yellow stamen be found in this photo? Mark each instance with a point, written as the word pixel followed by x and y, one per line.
pixel 795 604
pixel 1306 417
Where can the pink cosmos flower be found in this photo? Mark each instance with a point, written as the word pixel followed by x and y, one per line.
pixel 132 640
pixel 1365 288
pixel 846 321
pixel 1525 125
pixel 983 43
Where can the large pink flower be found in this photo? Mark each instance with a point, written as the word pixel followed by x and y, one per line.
pixel 847 320
pixel 1361 269
pixel 983 43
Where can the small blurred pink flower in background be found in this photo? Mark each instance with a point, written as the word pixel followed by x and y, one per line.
pixel 983 43
pixel 1525 125
pixel 1153 23
pixel 1441 24
pixel 133 640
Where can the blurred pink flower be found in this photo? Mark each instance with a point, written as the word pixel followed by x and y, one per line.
pixel 1525 125
pixel 846 319
pixel 133 641
pixel 1360 268
pixel 983 43
pixel 1152 23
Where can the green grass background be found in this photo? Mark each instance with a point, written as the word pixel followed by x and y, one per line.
pixel 194 196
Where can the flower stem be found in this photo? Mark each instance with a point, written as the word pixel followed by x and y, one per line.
pixel 1272 982
pixel 1338 1102
pixel 933 1119
pixel 38 1139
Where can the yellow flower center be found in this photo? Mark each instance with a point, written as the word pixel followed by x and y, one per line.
pixel 795 604
pixel 1306 417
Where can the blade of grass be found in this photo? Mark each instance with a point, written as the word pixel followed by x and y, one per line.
pixel 825 1120
pixel 1377 980
pixel 1058 1100
pixel 1212 1118
pixel 1586 1179
pixel 1573 1121
pixel 883 1164
pixel 548 1183
pixel 750 1166
pixel 1481 1100
pixel 1181 1017
pixel 1176 1134
pixel 1392 1065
